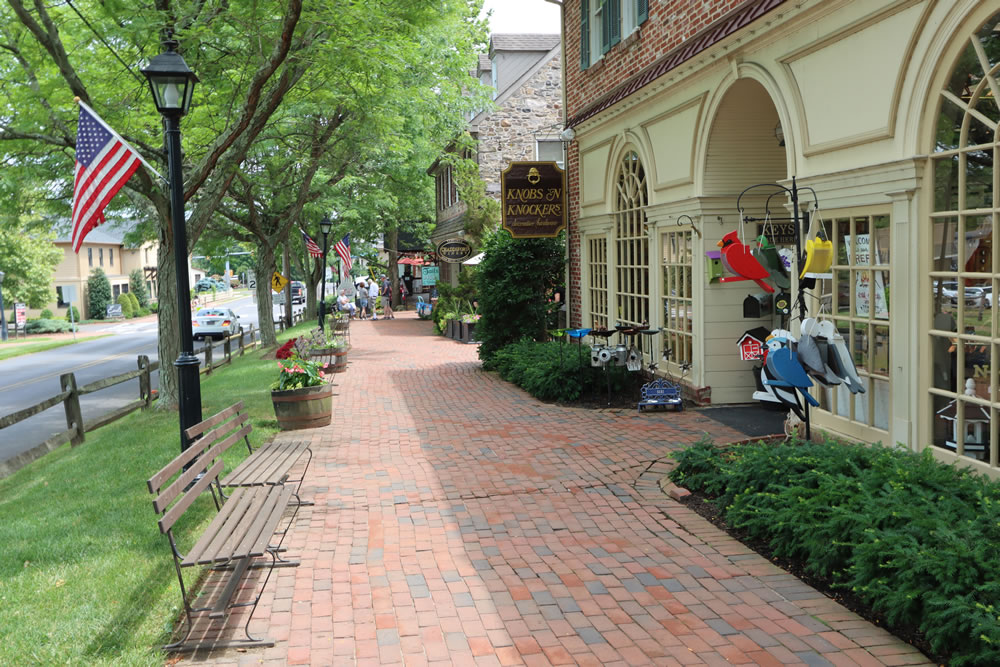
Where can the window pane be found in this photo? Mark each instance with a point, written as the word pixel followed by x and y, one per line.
pixel 943 355
pixel 978 248
pixel 880 240
pixel 944 241
pixel 978 178
pixel 949 126
pixel 946 183
pixel 880 357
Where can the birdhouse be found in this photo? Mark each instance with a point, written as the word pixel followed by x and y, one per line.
pixel 713 266
pixel 756 306
pixel 783 303
pixel 977 424
pixel 752 345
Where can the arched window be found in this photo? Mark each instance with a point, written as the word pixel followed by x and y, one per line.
pixel 965 339
pixel 631 243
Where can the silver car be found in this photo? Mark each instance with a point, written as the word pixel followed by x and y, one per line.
pixel 215 323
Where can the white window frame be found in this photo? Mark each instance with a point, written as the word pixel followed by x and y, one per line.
pixel 562 151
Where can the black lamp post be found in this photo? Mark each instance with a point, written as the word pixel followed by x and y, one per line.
pixel 324 226
pixel 3 318
pixel 172 84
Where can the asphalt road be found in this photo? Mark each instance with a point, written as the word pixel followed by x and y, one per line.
pixel 30 379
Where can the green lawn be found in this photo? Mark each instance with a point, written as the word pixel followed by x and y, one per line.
pixel 86 577
pixel 10 349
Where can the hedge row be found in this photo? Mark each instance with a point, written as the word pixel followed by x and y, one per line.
pixel 552 371
pixel 913 538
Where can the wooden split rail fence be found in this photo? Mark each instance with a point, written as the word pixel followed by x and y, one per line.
pixel 70 395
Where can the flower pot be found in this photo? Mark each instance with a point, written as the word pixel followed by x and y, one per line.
pixel 334 359
pixel 339 360
pixel 451 328
pixel 307 407
pixel 468 332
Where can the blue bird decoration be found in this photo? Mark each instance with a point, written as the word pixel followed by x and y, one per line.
pixel 784 364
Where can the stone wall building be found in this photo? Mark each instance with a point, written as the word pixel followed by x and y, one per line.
pixel 525 70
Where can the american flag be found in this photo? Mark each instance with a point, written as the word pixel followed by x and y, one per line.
pixel 343 249
pixel 311 246
pixel 103 163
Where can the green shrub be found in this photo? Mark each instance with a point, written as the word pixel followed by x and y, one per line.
pixel 46 314
pixel 126 304
pixel 47 326
pixel 76 314
pixel 914 538
pixel 135 303
pixel 137 287
pixel 153 306
pixel 98 294
pixel 552 371
pixel 514 303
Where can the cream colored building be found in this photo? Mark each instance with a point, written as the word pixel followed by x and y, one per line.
pixel 887 109
pixel 103 248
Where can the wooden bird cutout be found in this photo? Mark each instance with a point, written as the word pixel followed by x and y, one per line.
pixel 783 395
pixel 738 259
pixel 783 363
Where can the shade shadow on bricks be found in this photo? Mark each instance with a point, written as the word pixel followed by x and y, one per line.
pixel 458 520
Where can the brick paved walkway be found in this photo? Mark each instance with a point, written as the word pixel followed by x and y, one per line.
pixel 459 521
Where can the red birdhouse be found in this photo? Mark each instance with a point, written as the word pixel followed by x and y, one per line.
pixel 753 345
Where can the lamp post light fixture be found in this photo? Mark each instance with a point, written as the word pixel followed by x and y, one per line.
pixel 172 84
pixel 3 318
pixel 324 226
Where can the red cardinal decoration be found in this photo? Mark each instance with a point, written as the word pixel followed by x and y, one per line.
pixel 739 260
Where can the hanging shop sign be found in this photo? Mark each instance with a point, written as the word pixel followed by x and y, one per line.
pixel 779 233
pixel 430 275
pixel 534 199
pixel 454 251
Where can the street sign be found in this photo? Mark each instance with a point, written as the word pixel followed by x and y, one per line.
pixel 278 282
pixel 20 314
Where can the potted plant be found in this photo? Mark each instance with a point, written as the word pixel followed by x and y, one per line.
pixel 451 318
pixel 469 321
pixel 327 348
pixel 302 396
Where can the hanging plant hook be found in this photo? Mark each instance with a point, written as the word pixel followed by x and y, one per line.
pixel 690 221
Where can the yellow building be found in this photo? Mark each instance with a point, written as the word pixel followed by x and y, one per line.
pixel 103 249
pixel 887 110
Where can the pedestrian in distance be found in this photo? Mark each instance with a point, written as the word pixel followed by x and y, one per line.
pixel 373 296
pixel 363 300
pixel 387 299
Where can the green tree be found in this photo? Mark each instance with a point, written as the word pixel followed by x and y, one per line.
pixel 134 302
pixel 98 295
pixel 137 287
pixel 29 258
pixel 514 280
pixel 126 303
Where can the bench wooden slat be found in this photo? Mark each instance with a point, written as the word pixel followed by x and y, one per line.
pixel 268 465
pixel 214 420
pixel 156 481
pixel 174 513
pixel 241 423
pixel 207 548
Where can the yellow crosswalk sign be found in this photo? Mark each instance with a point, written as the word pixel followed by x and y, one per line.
pixel 278 282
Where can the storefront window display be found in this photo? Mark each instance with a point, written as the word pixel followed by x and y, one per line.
pixel 631 243
pixel 597 259
pixel 965 339
pixel 677 295
pixel 858 299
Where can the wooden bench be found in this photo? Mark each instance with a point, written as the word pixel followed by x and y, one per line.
pixel 267 465
pixel 242 530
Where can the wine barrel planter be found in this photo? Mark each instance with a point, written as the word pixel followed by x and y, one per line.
pixel 339 360
pixel 307 407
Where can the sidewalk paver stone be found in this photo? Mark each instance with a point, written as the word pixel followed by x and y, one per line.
pixel 459 521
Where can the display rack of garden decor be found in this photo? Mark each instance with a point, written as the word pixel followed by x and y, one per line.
pixel 804 268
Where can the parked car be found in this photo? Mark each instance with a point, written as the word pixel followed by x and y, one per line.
pixel 988 295
pixel 215 323
pixel 205 285
pixel 298 292
pixel 948 289
pixel 974 296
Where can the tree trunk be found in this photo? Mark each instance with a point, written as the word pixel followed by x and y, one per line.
pixel 265 310
pixel 393 266
pixel 169 343
pixel 287 266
